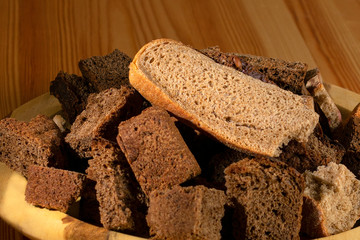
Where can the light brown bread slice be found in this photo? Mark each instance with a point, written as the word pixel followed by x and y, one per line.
pixel 331 201
pixel 240 111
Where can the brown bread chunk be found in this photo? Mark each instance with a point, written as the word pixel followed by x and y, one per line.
pixel 36 142
pixel 318 151
pixel 122 202
pixel 287 75
pixel 53 188
pixel 89 205
pixel 220 162
pixel 267 197
pixel 156 151
pixel 109 71
pixel 101 117
pixel 72 92
pixel 350 138
pixel 186 213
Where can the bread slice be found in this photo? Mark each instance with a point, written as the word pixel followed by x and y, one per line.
pixel 240 111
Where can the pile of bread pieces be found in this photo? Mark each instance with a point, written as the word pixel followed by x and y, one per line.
pixel 180 143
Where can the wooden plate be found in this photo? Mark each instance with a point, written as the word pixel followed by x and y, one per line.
pixel 47 224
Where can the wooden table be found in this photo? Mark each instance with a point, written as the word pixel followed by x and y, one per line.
pixel 39 38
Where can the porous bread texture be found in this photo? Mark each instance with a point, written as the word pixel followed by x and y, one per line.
pixel 186 213
pixel 108 71
pixel 335 193
pixel 53 188
pixel 121 202
pixel 237 109
pixel 25 143
pixel 156 151
pixel 267 199
pixel 103 113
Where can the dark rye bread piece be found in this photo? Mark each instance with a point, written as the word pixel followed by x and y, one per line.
pixel 156 151
pixel 89 205
pixel 36 142
pixel 318 151
pixel 109 71
pixel 287 75
pixel 102 115
pixel 53 188
pixel 220 162
pixel 350 138
pixel 267 199
pixel 186 213
pixel 72 92
pixel 122 203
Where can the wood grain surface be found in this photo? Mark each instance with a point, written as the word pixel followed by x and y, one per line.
pixel 38 38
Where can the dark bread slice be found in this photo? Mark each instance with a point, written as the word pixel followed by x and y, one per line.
pixel 350 139
pixel 156 151
pixel 220 162
pixel 72 92
pixel 287 75
pixel 101 117
pixel 267 197
pixel 186 213
pixel 89 205
pixel 109 71
pixel 53 188
pixel 121 200
pixel 318 151
pixel 36 142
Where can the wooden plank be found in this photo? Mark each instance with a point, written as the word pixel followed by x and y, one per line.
pixel 333 38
